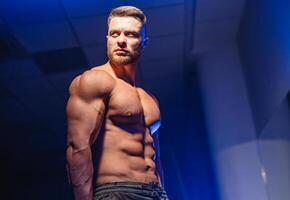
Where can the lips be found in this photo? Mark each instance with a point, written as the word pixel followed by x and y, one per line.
pixel 120 51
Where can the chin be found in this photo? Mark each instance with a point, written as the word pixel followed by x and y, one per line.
pixel 122 60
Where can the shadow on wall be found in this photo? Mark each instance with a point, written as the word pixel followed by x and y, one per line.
pixel 274 152
pixel 265 48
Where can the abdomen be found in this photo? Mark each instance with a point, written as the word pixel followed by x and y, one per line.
pixel 123 156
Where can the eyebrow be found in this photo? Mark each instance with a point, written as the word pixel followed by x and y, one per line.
pixel 111 31
pixel 126 31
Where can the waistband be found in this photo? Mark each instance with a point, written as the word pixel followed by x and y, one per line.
pixel 129 184
pixel 144 190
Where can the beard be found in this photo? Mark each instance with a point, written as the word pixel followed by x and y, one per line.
pixel 128 58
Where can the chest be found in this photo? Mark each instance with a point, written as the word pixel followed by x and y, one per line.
pixel 129 105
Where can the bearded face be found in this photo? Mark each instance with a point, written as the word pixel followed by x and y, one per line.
pixel 124 40
pixel 123 57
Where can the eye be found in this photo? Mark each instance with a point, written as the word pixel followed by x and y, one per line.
pixel 114 34
pixel 132 34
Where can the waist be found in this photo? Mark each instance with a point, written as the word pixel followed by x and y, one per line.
pixel 129 186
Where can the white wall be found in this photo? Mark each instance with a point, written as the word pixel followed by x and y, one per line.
pixel 230 125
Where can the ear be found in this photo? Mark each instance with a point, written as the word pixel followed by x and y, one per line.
pixel 144 42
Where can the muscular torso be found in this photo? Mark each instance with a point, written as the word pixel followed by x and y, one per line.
pixel 124 148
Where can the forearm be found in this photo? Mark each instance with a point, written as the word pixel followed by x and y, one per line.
pixel 80 169
pixel 83 192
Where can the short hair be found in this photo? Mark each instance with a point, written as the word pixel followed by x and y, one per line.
pixel 128 11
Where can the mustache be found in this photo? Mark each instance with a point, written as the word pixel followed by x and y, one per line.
pixel 119 49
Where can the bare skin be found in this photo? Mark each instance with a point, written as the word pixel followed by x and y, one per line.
pixel 112 123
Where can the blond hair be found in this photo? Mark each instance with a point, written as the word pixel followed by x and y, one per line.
pixel 128 11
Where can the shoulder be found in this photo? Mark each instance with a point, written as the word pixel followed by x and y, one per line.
pixel 92 84
pixel 154 98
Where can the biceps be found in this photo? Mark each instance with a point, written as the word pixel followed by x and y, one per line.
pixel 84 121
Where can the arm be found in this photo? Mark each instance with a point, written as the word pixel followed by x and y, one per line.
pixel 85 112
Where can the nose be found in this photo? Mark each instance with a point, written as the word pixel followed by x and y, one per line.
pixel 121 40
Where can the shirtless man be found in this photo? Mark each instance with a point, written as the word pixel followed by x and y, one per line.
pixel 112 123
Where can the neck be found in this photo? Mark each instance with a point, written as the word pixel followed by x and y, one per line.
pixel 125 72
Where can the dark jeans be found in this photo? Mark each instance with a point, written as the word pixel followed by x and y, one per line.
pixel 129 191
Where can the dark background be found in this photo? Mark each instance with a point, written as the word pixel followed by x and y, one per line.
pixel 219 69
